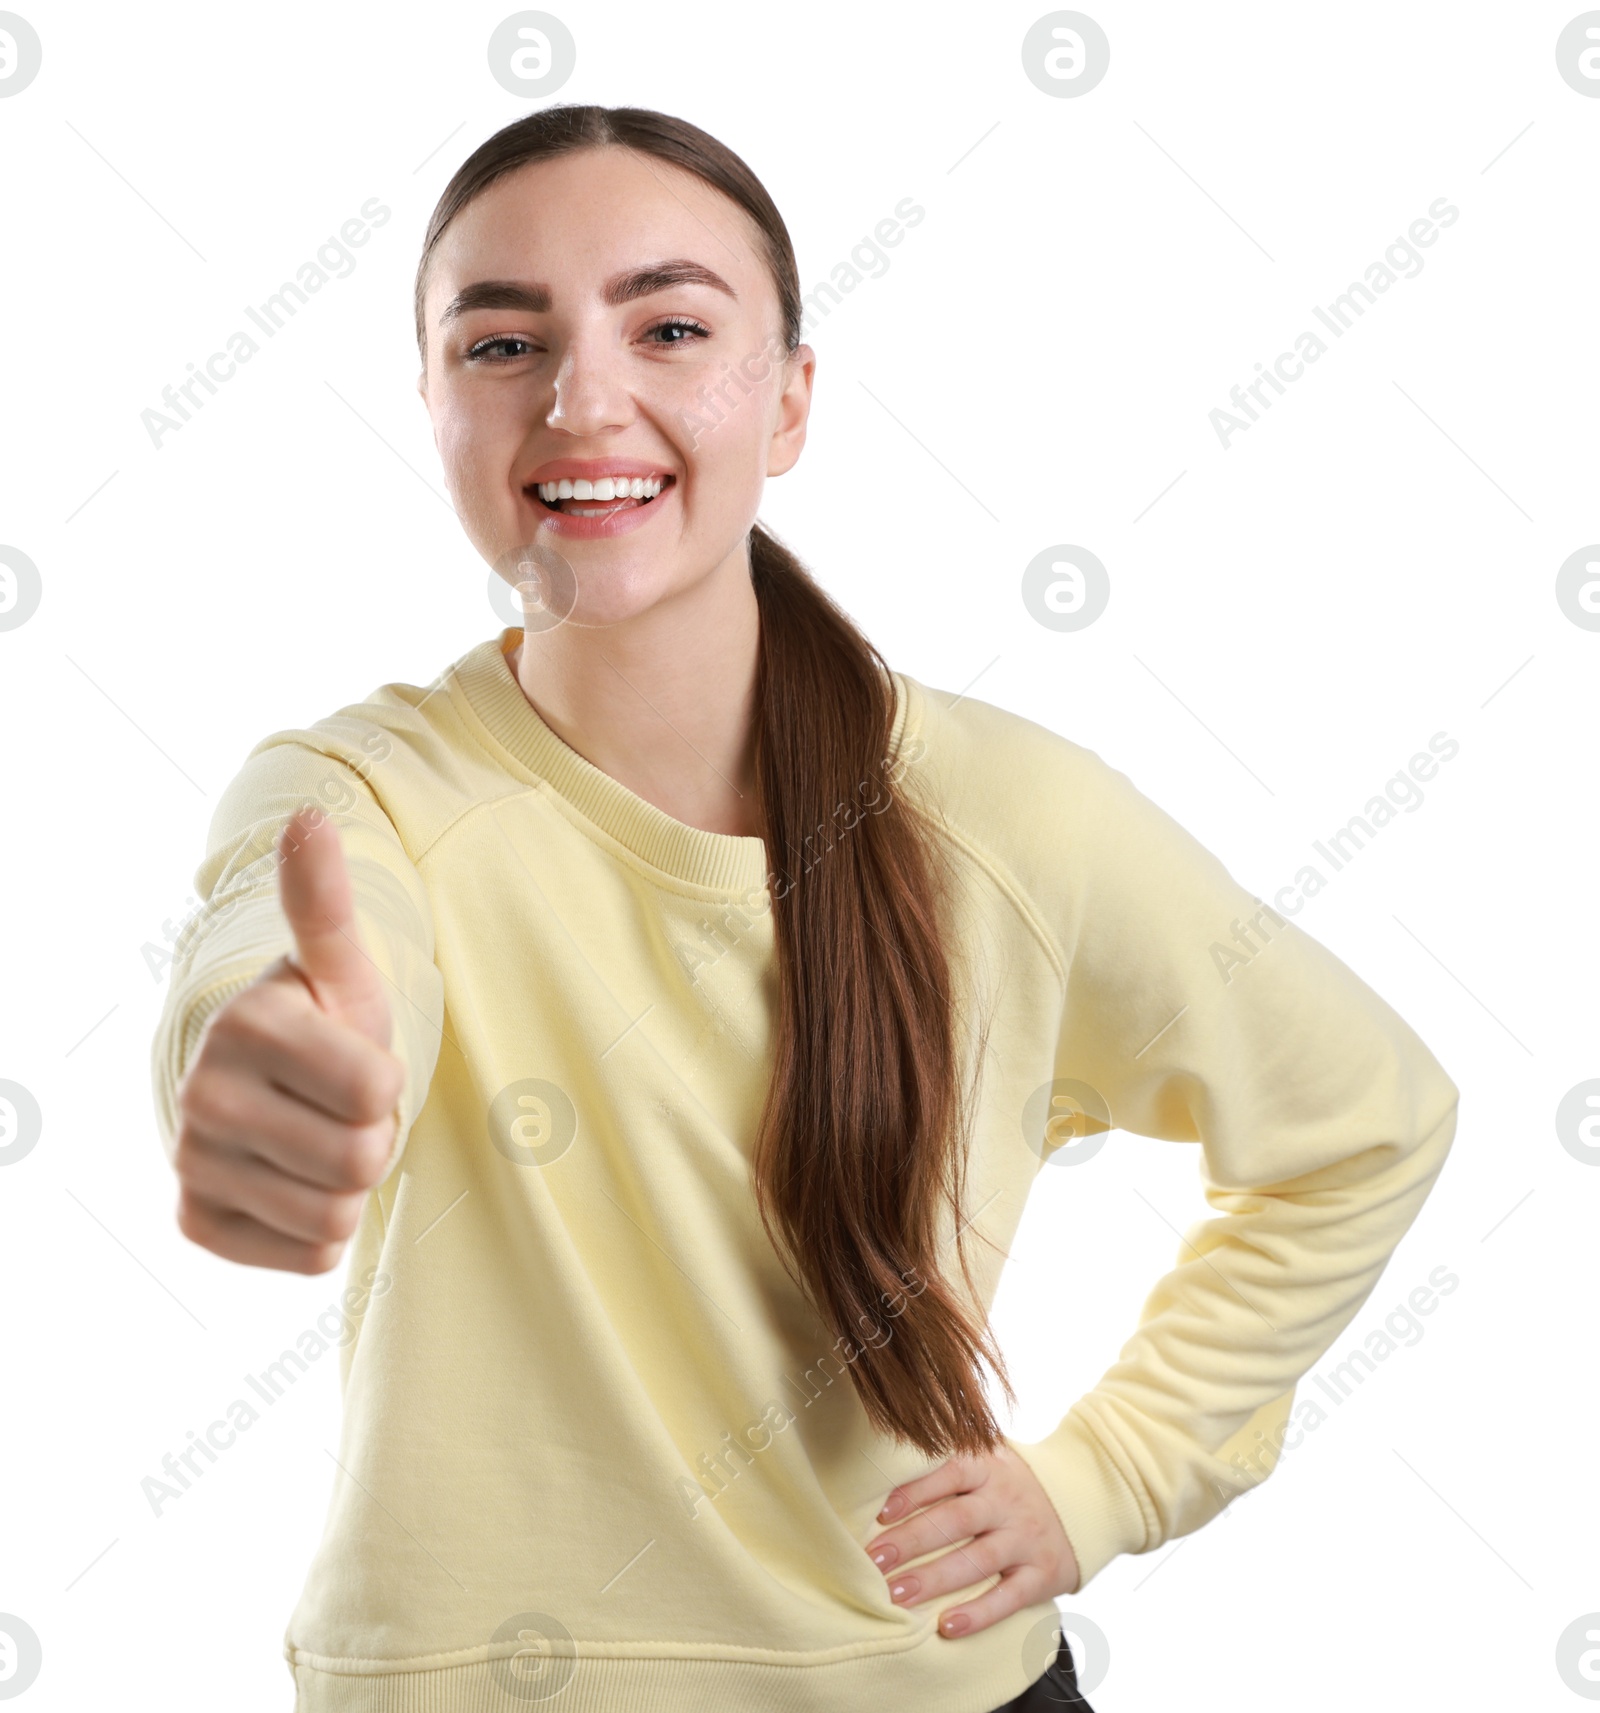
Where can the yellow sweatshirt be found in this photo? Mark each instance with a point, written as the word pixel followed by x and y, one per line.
pixel 597 1449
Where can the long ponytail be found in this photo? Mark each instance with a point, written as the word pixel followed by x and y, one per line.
pixel 862 1142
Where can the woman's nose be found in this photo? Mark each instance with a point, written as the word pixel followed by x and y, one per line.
pixel 590 393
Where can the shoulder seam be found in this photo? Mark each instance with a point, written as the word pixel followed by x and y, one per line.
pixel 297 735
pixel 1005 882
pixel 1019 900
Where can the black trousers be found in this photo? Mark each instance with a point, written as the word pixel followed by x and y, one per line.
pixel 1057 1689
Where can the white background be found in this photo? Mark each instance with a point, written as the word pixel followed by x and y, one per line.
pixel 1289 622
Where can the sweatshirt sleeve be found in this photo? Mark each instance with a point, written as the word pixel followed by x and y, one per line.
pixel 239 927
pixel 1198 1014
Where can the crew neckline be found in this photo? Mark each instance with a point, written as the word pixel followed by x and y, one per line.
pixel 723 861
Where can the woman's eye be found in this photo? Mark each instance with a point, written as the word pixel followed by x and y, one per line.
pixel 476 354
pixel 681 328
pixel 680 324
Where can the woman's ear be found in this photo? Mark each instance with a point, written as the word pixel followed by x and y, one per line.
pixel 794 406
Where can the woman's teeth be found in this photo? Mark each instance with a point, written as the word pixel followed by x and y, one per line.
pixel 620 492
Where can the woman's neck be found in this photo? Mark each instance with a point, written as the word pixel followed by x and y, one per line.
pixel 664 703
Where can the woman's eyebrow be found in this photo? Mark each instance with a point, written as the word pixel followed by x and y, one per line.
pixel 619 289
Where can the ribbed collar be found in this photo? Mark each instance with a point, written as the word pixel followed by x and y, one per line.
pixel 728 862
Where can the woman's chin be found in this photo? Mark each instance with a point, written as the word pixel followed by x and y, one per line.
pixel 611 596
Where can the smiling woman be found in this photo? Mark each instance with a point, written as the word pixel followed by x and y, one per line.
pixel 677 1398
pixel 537 342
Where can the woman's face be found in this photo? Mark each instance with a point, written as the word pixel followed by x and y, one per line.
pixel 560 342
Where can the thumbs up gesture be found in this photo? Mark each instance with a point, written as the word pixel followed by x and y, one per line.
pixel 287 1112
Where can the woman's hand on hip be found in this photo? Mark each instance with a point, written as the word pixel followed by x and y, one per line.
pixel 998 1501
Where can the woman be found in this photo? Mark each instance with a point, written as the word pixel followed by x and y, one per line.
pixel 674 1005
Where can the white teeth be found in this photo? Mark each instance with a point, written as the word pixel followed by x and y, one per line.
pixel 607 488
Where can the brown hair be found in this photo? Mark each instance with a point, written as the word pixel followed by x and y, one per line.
pixel 862 1139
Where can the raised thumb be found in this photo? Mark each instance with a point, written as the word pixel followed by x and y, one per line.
pixel 314 890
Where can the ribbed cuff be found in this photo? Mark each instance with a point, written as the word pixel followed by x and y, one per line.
pixel 175 1044
pixel 1098 1509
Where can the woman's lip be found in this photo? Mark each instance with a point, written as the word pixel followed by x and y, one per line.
pixel 573 527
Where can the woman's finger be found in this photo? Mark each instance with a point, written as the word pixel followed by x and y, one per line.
pixel 236 1236
pixel 992 1553
pixel 954 1475
pixel 1025 1585
pixel 942 1523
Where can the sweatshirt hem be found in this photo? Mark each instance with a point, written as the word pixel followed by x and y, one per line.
pixel 931 1673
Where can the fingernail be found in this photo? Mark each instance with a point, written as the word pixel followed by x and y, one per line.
pixel 896 1504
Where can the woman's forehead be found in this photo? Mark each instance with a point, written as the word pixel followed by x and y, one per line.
pixel 600 200
pixel 561 256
